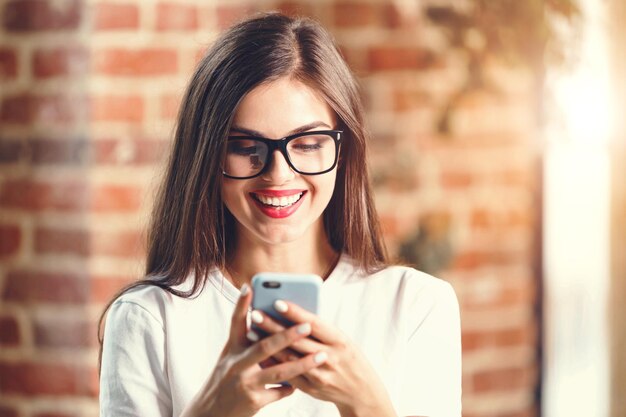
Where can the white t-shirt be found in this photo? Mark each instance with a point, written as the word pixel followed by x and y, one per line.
pixel 159 349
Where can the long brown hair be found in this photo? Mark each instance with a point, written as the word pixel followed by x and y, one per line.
pixel 191 230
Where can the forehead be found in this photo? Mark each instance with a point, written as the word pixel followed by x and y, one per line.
pixel 281 106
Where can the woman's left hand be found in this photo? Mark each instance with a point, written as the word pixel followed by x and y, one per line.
pixel 346 378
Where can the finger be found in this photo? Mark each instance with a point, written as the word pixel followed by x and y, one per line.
pixel 269 325
pixel 238 328
pixel 290 370
pixel 313 377
pixel 271 361
pixel 300 382
pixel 286 355
pixel 296 314
pixel 273 344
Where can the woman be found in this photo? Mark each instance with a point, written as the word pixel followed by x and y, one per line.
pixel 234 203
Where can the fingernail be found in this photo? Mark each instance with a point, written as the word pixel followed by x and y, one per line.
pixel 256 317
pixel 280 306
pixel 320 357
pixel 244 290
pixel 304 328
pixel 253 337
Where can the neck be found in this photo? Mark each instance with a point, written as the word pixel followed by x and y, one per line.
pixel 251 257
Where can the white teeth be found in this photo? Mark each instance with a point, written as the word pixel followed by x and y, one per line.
pixel 284 201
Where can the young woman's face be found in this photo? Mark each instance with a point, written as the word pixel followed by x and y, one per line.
pixel 280 205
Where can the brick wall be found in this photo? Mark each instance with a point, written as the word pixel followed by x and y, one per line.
pixel 88 95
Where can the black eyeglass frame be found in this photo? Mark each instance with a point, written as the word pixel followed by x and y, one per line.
pixel 281 145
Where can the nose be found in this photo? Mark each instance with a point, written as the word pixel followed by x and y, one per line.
pixel 279 170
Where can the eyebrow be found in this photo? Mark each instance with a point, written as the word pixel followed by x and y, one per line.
pixel 300 129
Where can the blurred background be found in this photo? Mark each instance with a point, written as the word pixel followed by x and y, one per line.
pixel 498 161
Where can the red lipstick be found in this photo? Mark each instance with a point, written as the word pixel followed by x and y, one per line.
pixel 277 212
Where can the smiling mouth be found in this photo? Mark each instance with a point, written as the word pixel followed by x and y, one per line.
pixel 277 202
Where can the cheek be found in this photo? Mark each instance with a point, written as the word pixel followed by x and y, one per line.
pixel 325 188
pixel 231 196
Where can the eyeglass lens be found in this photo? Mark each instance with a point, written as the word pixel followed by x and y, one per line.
pixel 309 154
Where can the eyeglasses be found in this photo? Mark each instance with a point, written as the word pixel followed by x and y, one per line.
pixel 308 153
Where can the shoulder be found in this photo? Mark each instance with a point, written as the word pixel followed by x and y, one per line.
pixel 159 303
pixel 404 283
pixel 145 301
pixel 426 304
pixel 416 293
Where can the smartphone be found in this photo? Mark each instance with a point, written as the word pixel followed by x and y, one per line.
pixel 301 289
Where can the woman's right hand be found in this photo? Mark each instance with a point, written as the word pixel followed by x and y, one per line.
pixel 237 386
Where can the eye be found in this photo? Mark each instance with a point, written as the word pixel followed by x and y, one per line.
pixel 242 147
pixel 303 147
pixel 249 150
pixel 309 143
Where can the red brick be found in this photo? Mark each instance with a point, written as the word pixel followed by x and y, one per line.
pixel 64 61
pixel 528 412
pixel 407 99
pixel 104 288
pixel 356 14
pixel 60 196
pixel 62 241
pixel 30 379
pixel 39 196
pixel 295 8
pixel 29 108
pixel 127 244
pixel 366 15
pixel 475 340
pixel 476 258
pixel 10 240
pixel 115 16
pixel 483 219
pixel 500 380
pixel 9 331
pixel 169 105
pixel 63 333
pixel 390 225
pixel 59 151
pixel 19 109
pixel 11 151
pixel 32 286
pixel 134 152
pixel 8 63
pixel 140 62
pixel 516 178
pixel 117 109
pixel 352 56
pixel 199 54
pixel 116 198
pixel 175 16
pixel 229 15
pixel 521 294
pixel 389 58
pixel 512 142
pixel 451 179
pixel 82 243
pixel 6 411
pixel 38 15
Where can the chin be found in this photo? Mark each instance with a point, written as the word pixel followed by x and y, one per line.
pixel 280 235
